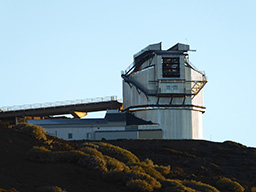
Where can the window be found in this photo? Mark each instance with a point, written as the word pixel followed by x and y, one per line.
pixel 168 87
pixel 175 87
pixel 171 67
pixel 89 135
pixel 70 136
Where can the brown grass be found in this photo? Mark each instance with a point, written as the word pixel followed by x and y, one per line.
pixel 226 184
pixel 33 130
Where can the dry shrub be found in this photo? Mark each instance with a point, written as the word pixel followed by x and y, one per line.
pixel 152 171
pixel 178 170
pixel 93 162
pixel 115 165
pixel 118 176
pixel 48 142
pixel 137 169
pixel 66 146
pixel 146 171
pixel 33 130
pixel 189 186
pixel 118 153
pixel 91 151
pixel 51 189
pixel 149 167
pixel 164 170
pixel 229 185
pixel 41 154
pixel 68 156
pixel 136 180
pixel 90 144
pixel 10 190
pixel 174 185
pixel 150 180
pixel 198 186
pixel 233 144
pixel 180 153
pixel 89 161
pixel 148 161
pixel 139 185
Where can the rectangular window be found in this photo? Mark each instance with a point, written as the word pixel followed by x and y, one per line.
pixel 70 136
pixel 89 135
pixel 171 67
pixel 175 87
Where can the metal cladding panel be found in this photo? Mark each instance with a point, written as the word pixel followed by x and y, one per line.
pixel 175 123
pixel 198 99
pixel 197 125
pixel 195 75
pixel 157 134
pixel 144 77
pixel 133 97
pixel 116 135
pixel 126 95
pixel 156 47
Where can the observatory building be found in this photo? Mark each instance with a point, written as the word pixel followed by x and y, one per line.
pixel 163 87
pixel 162 99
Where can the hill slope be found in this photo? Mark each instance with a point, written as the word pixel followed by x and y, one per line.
pixel 16 171
pixel 65 164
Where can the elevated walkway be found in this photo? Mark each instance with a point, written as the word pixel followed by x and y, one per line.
pixel 77 108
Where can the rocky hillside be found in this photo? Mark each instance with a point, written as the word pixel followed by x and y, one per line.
pixel 34 161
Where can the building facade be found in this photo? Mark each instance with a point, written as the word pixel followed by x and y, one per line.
pixel 162 99
pixel 162 86
pixel 115 125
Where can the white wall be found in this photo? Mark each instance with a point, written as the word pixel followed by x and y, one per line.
pixel 116 135
pixel 175 123
pixel 79 132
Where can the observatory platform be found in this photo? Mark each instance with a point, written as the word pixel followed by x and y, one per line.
pixel 77 108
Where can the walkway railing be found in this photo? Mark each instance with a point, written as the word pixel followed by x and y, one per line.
pixel 59 103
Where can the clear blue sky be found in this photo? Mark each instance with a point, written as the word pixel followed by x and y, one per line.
pixel 54 50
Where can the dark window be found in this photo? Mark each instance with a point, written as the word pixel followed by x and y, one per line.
pixel 70 135
pixel 89 135
pixel 171 67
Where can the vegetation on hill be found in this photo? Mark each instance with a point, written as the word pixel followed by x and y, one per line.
pixel 139 165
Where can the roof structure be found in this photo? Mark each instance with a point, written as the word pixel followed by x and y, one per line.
pixel 70 107
pixel 126 118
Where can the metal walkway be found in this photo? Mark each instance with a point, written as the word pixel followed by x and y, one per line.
pixel 61 107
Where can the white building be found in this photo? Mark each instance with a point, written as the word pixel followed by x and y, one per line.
pixel 162 99
pixel 115 125
pixel 162 86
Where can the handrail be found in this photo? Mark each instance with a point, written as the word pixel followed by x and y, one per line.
pixel 128 69
pixel 193 67
pixel 194 90
pixel 58 103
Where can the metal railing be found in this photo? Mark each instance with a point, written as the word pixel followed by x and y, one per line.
pixel 127 69
pixel 58 103
pixel 194 67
